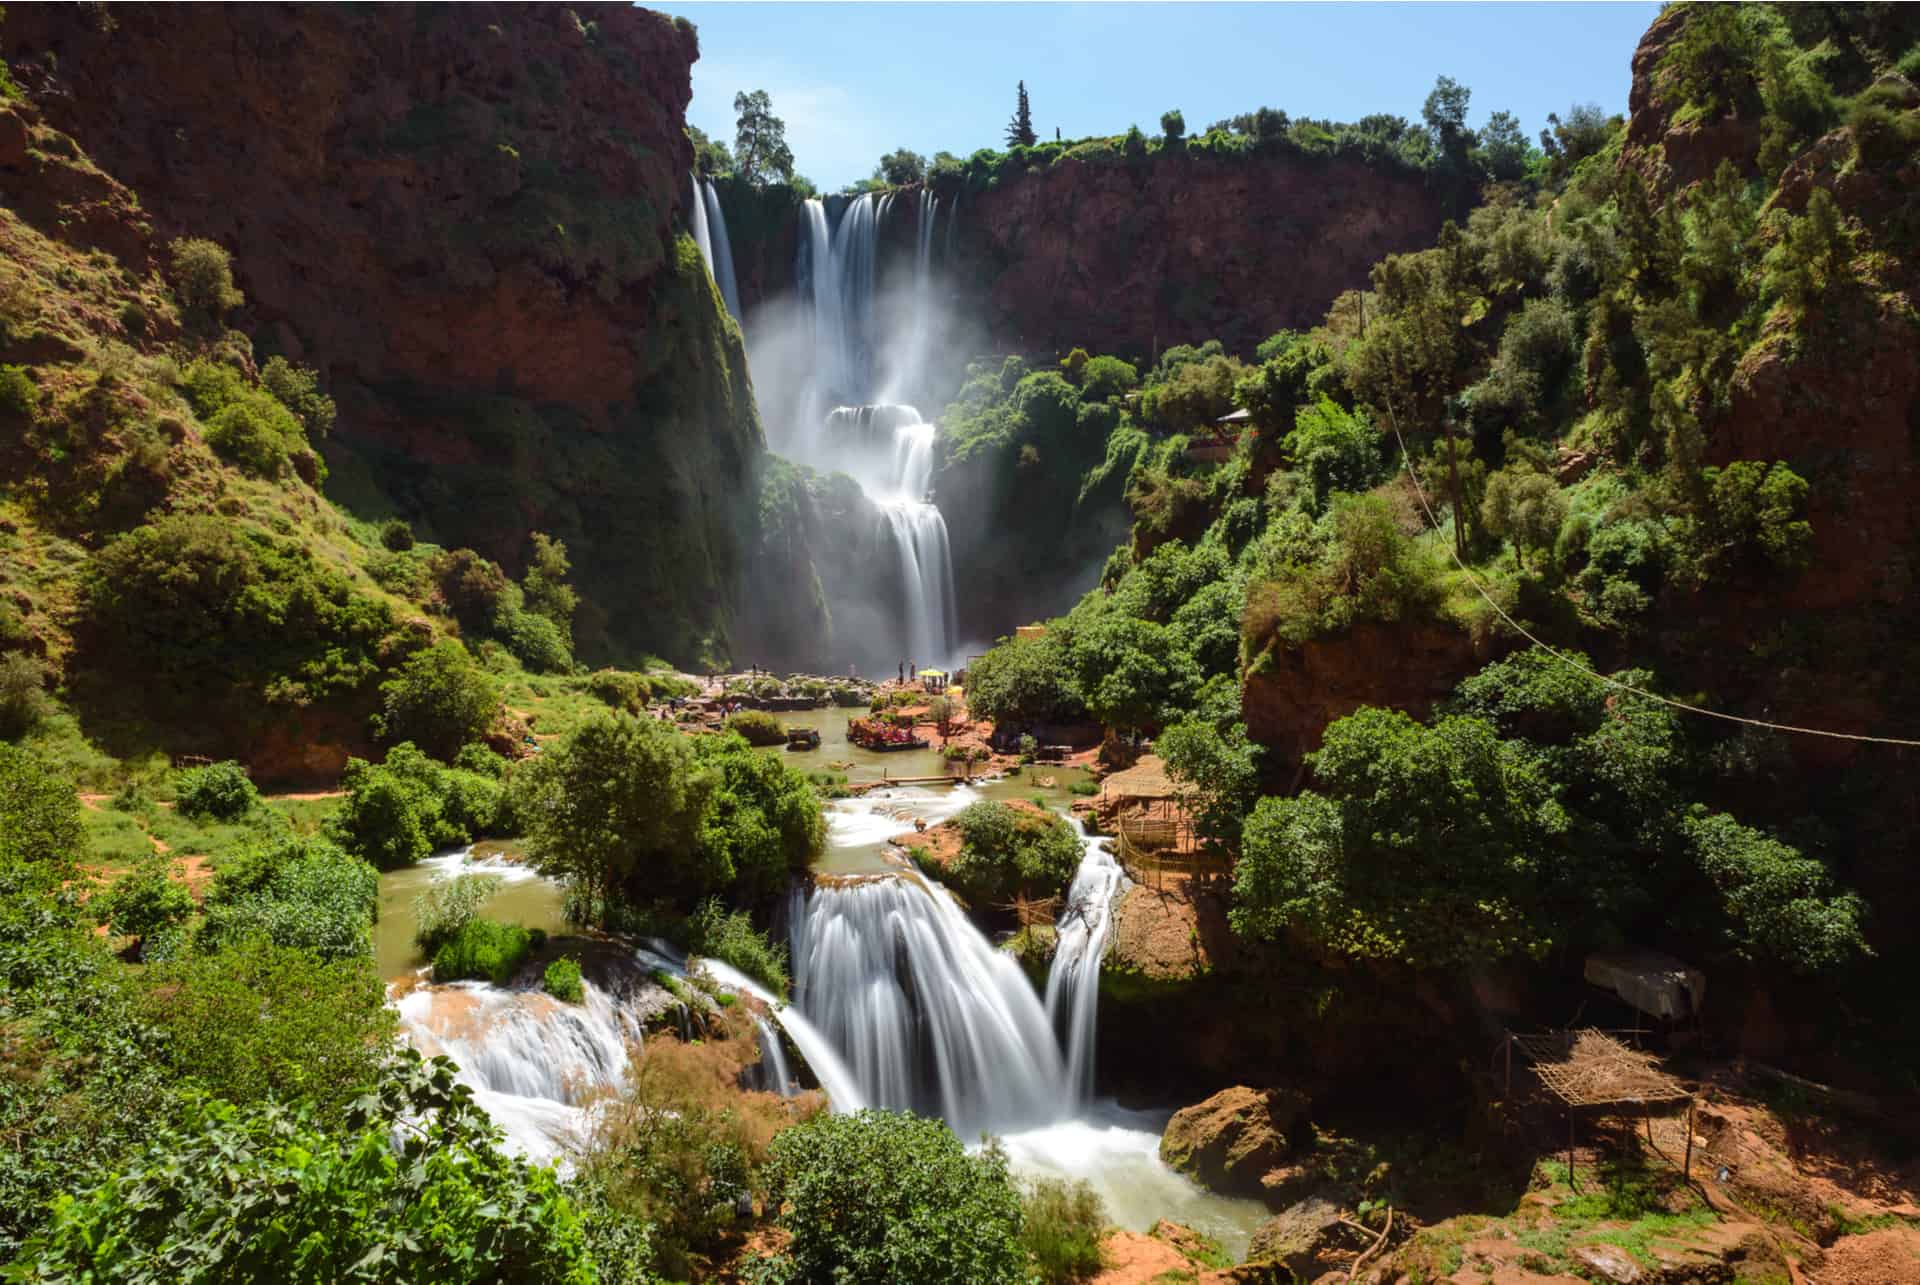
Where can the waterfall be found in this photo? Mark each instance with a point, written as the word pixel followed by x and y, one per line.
pixel 710 234
pixel 722 257
pixel 927 1015
pixel 842 1088
pixel 925 1012
pixel 886 448
pixel 773 1074
pixel 533 1062
pixel 1080 943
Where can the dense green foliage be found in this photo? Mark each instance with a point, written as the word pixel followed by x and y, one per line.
pixel 757 727
pixel 144 903
pixel 1543 809
pixel 408 806
pixel 269 1193
pixel 303 893
pixel 1008 851
pixel 630 808
pixel 440 700
pixel 447 906
pixel 219 791
pixel 562 981
pixel 879 1196
pixel 39 815
pixel 483 949
pixel 729 936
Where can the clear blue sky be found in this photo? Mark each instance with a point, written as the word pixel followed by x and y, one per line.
pixel 853 81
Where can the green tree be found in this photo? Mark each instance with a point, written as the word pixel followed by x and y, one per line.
pixel 414 1186
pixel 1421 844
pixel 925 1210
pixel 1525 507
pixel 1104 378
pixel 898 168
pixel 1020 128
pixel 1503 148
pixel 441 699
pixel 1218 769
pixel 217 792
pixel 23 694
pixel 1173 126
pixel 203 277
pixel 545 586
pixel 1131 674
pixel 1445 114
pixel 760 149
pixel 298 389
pixel 144 903
pixel 1779 907
pixel 1009 851
pixel 710 156
pixel 1024 680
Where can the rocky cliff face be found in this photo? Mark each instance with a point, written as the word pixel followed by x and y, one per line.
pixel 1179 249
pixel 464 217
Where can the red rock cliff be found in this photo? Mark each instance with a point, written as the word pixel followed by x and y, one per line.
pixel 1180 249
pixel 464 216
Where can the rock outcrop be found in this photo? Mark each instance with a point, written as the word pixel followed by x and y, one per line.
pixel 1298 1238
pixel 1231 1140
pixel 1179 248
pixel 466 219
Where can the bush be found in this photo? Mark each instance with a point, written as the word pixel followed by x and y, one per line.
pixel 1173 125
pixel 1024 680
pixel 732 939
pixel 39 813
pixel 1061 1226
pixel 396 536
pixel 298 389
pixel 259 1021
pixel 483 949
pixel 23 695
pixel 441 699
pixel 297 893
pixel 267 1194
pixel 217 792
pixel 203 277
pixel 144 903
pixel 926 1210
pixel 447 906
pixel 758 727
pixel 400 811
pixel 1009 851
pixel 18 392
pixel 1107 377
pixel 562 981
pixel 243 434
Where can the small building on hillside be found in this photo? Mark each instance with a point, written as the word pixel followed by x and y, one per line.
pixel 1217 446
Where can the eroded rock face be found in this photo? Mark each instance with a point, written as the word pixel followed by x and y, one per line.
pixel 1231 1140
pixel 464 217
pixel 1180 248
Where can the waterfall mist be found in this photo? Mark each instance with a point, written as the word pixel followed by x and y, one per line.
pixel 840 367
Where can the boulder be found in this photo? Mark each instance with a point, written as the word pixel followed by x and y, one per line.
pixel 1230 1141
pixel 1297 1239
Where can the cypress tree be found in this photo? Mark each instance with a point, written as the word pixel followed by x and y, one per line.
pixel 1020 128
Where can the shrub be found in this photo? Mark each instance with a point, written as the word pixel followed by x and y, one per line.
pixel 217 792
pixel 481 761
pixel 260 1020
pixel 243 434
pixel 732 939
pixel 296 892
pixel 562 980
pixel 298 389
pixel 1061 1226
pixel 39 812
pixel 144 903
pixel 23 694
pixel 926 1209
pixel 441 699
pixel 264 1193
pixel 1024 680
pixel 401 810
pixel 447 906
pixel 1074 363
pixel 758 727
pixel 1173 125
pixel 396 536
pixel 483 949
pixel 534 640
pixel 18 392
pixel 1107 377
pixel 203 277
pixel 619 688
pixel 1007 851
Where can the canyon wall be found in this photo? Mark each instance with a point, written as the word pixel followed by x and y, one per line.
pixel 464 217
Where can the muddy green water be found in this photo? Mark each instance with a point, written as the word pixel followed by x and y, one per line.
pixel 520 896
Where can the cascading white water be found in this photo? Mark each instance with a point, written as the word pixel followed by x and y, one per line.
pixel 532 1061
pixel 709 225
pixel 722 257
pixel 926 1014
pixel 1080 943
pixel 843 1090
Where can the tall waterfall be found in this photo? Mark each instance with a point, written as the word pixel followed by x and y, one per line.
pixel 886 448
pixel 710 234
pixel 926 1015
